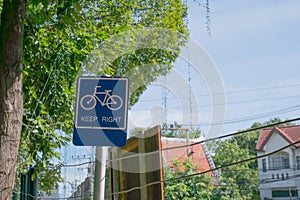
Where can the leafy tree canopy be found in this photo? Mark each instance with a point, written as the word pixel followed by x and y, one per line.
pixel 239 181
pixel 196 187
pixel 58 37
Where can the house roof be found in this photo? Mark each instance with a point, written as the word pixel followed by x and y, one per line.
pixel 290 133
pixel 198 156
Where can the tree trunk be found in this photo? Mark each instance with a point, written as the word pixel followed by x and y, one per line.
pixel 11 99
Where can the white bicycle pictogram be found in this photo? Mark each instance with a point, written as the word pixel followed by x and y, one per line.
pixel 113 102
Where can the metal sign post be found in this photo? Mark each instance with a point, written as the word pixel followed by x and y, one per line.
pixel 99 180
pixel 101 119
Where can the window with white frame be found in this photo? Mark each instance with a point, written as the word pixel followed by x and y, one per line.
pixel 289 192
pixel 298 162
pixel 264 165
pixel 279 160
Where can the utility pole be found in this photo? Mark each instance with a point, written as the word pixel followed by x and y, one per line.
pixel 100 167
pixel 187 142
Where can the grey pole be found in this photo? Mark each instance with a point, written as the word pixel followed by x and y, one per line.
pixel 100 166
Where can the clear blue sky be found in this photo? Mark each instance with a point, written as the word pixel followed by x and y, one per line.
pixel 256 47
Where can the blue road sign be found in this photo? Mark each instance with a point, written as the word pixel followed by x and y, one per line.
pixel 101 111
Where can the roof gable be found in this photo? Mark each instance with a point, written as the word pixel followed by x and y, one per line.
pixel 198 156
pixel 290 133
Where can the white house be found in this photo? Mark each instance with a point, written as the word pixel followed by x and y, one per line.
pixel 279 171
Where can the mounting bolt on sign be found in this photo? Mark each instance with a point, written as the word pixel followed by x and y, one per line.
pixel 101 111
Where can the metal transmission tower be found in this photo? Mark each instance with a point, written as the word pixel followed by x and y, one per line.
pixel 189 76
pixel 164 92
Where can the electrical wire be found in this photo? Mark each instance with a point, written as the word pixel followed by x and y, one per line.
pixel 76 164
pixel 256 116
pixel 229 92
pixel 227 103
pixel 206 140
pixel 203 172
pixel 206 171
pixel 186 145
pixel 190 145
pixel 26 194
pixel 249 117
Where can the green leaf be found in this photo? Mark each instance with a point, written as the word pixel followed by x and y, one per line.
pixel 33 176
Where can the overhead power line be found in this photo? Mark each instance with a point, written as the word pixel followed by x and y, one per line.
pixel 229 92
pixel 186 145
pixel 227 103
pixel 207 140
pixel 204 172
pixel 76 164
pixel 252 117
